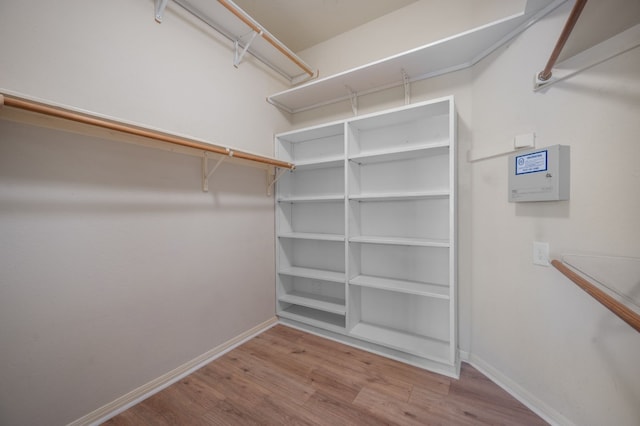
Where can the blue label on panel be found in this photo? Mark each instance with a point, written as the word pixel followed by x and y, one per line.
pixel 531 163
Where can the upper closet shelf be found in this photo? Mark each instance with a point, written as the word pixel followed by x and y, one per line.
pixel 247 35
pixel 440 57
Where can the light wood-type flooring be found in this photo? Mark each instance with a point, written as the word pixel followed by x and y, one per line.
pixel 288 377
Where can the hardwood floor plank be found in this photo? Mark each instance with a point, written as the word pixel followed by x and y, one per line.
pixel 277 357
pixel 366 362
pixel 394 411
pixel 449 408
pixel 199 392
pixel 354 365
pixel 239 393
pixel 229 415
pixel 438 386
pixel 170 407
pixel 335 411
pixel 259 401
pixel 281 383
pixel 285 376
pixel 332 383
pixel 476 390
pixel 128 417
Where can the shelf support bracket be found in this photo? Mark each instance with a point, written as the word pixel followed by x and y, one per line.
pixel 206 174
pixel 273 175
pixel 407 87
pixel 160 6
pixel 241 51
pixel 353 97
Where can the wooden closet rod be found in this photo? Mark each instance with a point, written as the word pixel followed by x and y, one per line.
pixel 626 314
pixel 58 112
pixel 265 35
pixel 545 74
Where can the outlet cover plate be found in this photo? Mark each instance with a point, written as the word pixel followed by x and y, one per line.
pixel 540 253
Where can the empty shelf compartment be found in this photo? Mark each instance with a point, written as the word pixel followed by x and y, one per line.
pixel 402 286
pixel 421 346
pixel 313 317
pixel 315 301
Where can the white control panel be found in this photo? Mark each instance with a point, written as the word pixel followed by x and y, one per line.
pixel 539 174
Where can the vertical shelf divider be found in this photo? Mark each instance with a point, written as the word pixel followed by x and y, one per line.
pixel 345 151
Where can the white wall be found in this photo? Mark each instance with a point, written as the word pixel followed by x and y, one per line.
pixel 529 322
pixel 116 60
pixel 115 267
pixel 564 353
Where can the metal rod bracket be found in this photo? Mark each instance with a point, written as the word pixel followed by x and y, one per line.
pixel 273 175
pixel 160 6
pixel 353 97
pixel 407 87
pixel 240 51
pixel 206 174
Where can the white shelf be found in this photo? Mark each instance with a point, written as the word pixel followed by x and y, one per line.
pixel 318 274
pixel 311 199
pixel 434 349
pixel 313 317
pixel 419 242
pixel 314 133
pixel 322 303
pixel 314 147
pixel 433 59
pixel 320 164
pixel 313 236
pixel 402 286
pixel 406 196
pixel 400 154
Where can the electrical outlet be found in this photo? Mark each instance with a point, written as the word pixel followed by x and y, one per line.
pixel 540 253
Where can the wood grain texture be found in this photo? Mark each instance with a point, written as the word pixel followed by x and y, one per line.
pixel 286 376
pixel 578 6
pixel 109 124
pixel 624 313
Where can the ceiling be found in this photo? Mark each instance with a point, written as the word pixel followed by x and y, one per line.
pixel 300 24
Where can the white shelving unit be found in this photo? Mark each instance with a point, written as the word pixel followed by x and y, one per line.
pixel 366 247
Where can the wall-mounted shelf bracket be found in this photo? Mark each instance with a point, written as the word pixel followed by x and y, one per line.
pixel 353 97
pixel 206 174
pixel 407 87
pixel 240 51
pixel 273 174
pixel 160 6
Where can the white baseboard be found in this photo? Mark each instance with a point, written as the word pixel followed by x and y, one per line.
pixel 132 398
pixel 542 409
